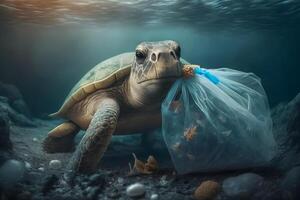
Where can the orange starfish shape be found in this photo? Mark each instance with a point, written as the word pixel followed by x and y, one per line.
pixel 190 133
pixel 175 106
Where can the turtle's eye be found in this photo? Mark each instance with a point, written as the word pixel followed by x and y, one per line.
pixel 140 56
pixel 177 50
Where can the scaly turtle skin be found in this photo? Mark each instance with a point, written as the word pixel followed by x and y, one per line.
pixel 121 95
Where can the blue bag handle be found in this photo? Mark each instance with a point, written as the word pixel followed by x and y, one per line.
pixel 200 71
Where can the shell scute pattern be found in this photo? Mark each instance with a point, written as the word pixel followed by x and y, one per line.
pixel 101 76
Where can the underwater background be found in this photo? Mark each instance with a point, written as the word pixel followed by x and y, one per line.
pixel 47 46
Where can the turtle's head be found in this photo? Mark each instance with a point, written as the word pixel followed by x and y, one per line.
pixel 155 67
pixel 156 61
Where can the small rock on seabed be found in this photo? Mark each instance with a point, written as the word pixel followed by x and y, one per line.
pixel 242 186
pixel 11 172
pixel 135 190
pixel 207 190
pixel 55 164
pixel 154 197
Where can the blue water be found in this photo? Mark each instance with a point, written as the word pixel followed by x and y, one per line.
pixel 47 46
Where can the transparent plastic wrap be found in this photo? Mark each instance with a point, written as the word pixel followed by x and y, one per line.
pixel 217 119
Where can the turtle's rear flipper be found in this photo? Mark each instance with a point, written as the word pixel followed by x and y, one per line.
pixel 61 138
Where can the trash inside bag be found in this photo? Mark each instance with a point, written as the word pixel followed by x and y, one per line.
pixel 217 119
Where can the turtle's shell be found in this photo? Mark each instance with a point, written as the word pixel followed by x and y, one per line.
pixel 102 76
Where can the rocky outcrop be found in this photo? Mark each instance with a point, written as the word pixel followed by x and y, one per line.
pixel 13 105
pixel 5 143
pixel 15 117
pixel 15 98
pixel 286 129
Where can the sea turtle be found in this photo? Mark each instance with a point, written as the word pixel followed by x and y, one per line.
pixel 121 95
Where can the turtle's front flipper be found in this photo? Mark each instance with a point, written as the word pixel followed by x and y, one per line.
pixel 61 138
pixel 96 139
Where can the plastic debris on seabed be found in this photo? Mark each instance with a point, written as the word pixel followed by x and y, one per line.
pixel 217 119
pixel 140 167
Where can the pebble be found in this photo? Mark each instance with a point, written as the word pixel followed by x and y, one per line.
pixel 96 180
pixel 207 190
pixel 91 192
pixel 242 186
pixel 11 172
pixel 163 181
pixel 135 190
pixel 55 164
pixel 114 194
pixel 27 165
pixel 120 181
pixel 41 169
pixel 154 197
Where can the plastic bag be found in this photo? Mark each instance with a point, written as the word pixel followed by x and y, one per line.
pixel 218 119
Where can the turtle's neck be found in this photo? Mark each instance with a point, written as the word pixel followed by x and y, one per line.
pixel 132 97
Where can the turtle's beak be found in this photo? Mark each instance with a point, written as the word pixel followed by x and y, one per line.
pixel 167 65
